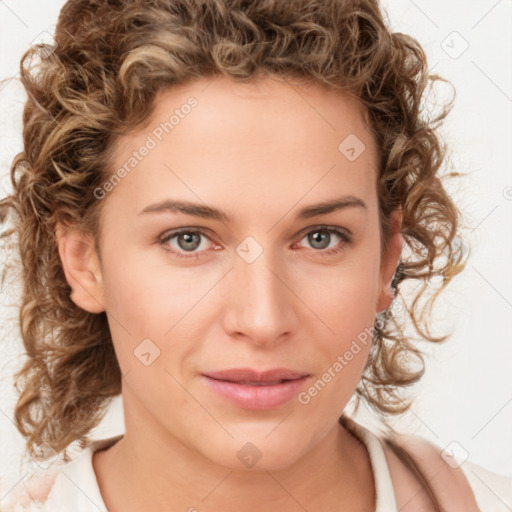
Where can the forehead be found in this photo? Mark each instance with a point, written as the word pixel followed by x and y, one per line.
pixel 214 137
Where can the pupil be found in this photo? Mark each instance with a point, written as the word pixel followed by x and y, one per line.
pixel 189 239
pixel 322 234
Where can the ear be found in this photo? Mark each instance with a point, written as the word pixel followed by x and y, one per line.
pixel 390 261
pixel 81 267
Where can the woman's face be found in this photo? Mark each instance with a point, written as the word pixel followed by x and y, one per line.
pixel 262 277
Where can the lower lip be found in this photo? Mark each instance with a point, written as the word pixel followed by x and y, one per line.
pixel 258 397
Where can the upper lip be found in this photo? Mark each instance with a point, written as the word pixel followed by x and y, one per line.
pixel 250 375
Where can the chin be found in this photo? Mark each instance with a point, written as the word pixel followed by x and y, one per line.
pixel 247 453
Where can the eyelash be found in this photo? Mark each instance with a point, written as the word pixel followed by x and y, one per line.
pixel 345 237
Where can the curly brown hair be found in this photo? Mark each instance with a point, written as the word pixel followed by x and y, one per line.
pixel 100 81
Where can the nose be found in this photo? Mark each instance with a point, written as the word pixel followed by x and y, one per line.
pixel 260 304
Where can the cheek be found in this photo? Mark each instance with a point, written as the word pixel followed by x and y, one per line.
pixel 144 297
pixel 343 340
pixel 343 302
pixel 161 306
pixel 343 297
pixel 352 321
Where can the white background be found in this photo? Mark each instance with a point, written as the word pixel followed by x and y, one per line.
pixel 465 397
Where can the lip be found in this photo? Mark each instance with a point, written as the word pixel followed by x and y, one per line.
pixel 235 385
pixel 248 374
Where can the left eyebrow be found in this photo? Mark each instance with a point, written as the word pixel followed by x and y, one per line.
pixel 210 212
pixel 334 205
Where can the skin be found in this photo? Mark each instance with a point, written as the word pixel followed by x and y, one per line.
pixel 259 151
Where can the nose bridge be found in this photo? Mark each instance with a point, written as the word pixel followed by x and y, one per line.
pixel 260 305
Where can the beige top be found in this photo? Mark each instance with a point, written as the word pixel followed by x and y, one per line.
pixel 76 489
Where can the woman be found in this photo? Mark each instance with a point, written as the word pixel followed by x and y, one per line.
pixel 213 206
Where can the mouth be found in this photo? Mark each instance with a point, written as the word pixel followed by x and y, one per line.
pixel 249 389
pixel 249 383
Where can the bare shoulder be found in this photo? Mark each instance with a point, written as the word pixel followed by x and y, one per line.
pixel 448 482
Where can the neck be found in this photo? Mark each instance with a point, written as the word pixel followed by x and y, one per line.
pixel 145 471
